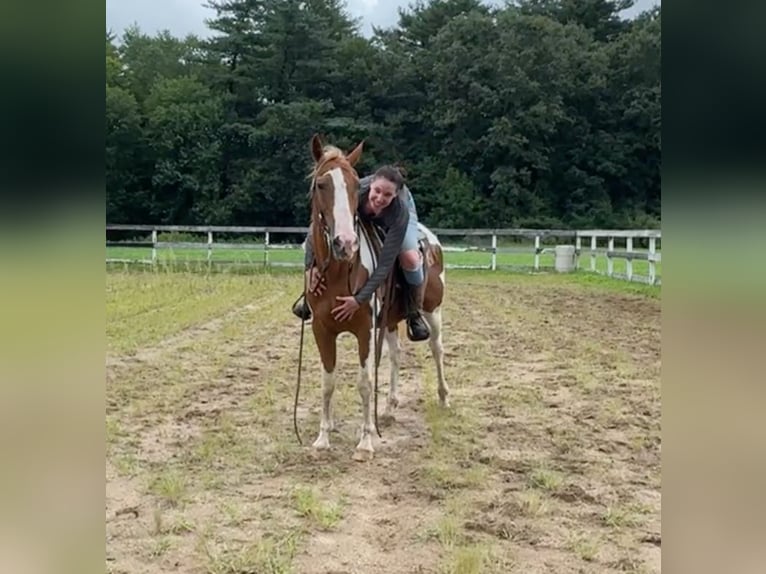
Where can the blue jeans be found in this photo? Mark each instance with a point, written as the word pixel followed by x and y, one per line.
pixel 410 241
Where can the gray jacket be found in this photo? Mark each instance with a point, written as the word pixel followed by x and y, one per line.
pixel 393 221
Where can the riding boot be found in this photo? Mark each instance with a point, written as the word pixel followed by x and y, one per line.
pixel 417 328
pixel 301 309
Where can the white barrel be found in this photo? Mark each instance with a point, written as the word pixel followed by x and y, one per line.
pixel 565 258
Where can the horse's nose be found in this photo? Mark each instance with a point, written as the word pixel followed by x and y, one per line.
pixel 346 243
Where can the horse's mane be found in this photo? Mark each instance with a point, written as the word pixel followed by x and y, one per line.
pixel 329 153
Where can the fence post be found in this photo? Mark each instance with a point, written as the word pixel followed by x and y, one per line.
pixel 652 253
pixel 209 246
pixel 266 251
pixel 593 253
pixel 578 247
pixel 537 252
pixel 609 260
pixel 154 246
pixel 629 264
pixel 494 252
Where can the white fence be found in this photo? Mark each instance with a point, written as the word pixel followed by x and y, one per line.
pixel 498 256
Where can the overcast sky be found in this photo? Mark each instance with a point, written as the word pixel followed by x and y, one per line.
pixel 184 17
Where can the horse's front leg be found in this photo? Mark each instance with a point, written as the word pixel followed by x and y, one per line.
pixel 364 450
pixel 327 352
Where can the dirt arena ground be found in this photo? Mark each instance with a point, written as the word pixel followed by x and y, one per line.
pixel 547 461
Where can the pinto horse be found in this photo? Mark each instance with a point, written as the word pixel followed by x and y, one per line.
pixel 345 254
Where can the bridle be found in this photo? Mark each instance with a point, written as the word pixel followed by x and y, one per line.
pixel 326 233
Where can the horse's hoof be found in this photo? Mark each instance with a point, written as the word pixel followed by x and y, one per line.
pixel 361 455
pixel 322 443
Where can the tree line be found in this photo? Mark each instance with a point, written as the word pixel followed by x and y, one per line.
pixel 538 113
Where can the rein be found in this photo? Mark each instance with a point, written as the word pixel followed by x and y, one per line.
pixel 300 362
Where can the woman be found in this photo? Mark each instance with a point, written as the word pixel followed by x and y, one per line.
pixel 385 201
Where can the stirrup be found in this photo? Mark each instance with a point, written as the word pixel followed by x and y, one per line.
pixel 301 309
pixel 417 329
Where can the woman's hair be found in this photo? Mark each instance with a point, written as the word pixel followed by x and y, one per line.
pixel 393 173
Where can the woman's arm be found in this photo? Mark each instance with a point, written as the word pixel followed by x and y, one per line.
pixel 388 254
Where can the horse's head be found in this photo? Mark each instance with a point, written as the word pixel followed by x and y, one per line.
pixel 335 196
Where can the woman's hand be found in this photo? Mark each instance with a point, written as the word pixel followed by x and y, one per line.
pixel 317 282
pixel 346 309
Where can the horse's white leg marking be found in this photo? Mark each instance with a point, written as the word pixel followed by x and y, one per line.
pixel 392 342
pixel 434 321
pixel 326 424
pixel 341 210
pixel 364 450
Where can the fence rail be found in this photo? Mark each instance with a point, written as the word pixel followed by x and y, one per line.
pixel 590 237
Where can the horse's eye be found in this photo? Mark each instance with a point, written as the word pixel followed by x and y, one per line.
pixel 322 185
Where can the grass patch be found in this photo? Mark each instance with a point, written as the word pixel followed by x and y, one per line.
pixel 157 548
pixel 220 442
pixel 126 464
pixel 584 547
pixel 545 479
pixel 531 503
pixel 471 559
pixel 323 514
pixel 448 531
pixel 144 308
pixel 629 564
pixel 476 559
pixel 266 556
pixel 170 487
pixel 443 475
pixel 459 555
pixel 621 517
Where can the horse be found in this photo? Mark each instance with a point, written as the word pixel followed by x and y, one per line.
pixel 345 254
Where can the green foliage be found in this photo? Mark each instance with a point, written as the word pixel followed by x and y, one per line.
pixel 542 113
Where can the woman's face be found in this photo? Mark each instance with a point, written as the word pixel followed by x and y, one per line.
pixel 382 193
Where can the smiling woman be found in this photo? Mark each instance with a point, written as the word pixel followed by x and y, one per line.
pixel 386 202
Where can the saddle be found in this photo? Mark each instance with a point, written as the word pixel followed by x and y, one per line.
pixel 376 236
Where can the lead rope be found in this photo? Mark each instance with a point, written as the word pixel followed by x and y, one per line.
pixel 379 338
pixel 300 362
pixel 376 343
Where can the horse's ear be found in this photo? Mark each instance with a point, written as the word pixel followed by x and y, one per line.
pixel 316 147
pixel 354 156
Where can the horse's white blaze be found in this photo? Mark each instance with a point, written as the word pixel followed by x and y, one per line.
pixel 341 211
